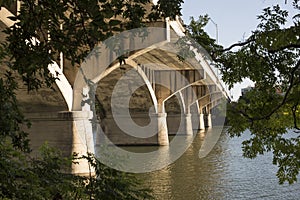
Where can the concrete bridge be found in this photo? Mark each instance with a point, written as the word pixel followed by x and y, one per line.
pixel 138 101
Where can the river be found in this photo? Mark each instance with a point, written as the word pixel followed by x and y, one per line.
pixel 222 174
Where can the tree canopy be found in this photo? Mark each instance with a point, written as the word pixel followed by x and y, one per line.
pixel 270 57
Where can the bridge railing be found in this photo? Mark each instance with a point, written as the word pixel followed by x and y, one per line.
pixel 203 55
pixel 216 72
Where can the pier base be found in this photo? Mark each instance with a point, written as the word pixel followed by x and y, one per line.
pixel 162 128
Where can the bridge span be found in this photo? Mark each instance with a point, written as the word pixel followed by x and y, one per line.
pixel 140 100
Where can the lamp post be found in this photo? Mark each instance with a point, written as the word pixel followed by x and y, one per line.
pixel 217 31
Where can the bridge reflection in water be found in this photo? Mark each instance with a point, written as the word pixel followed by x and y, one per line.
pixel 223 174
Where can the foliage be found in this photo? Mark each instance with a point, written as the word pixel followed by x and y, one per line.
pixel 112 184
pixel 201 41
pixel 11 117
pixel 270 58
pixel 196 31
pixel 166 8
pixel 42 177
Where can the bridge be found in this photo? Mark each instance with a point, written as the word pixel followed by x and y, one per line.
pixel 140 100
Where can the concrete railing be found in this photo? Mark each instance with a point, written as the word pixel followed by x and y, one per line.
pixel 202 57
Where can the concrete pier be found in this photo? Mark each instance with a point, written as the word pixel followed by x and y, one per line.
pixel 201 119
pixel 162 128
pixel 209 120
pixel 70 131
pixel 188 127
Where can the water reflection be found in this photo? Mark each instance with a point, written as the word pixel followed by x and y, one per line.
pixel 222 174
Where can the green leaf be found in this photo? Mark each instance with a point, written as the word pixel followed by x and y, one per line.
pixel 114 22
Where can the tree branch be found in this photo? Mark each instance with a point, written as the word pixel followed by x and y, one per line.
pixel 294 111
pixel 240 44
pixel 284 47
pixel 297 66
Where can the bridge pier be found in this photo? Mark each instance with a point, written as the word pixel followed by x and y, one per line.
pixel 209 120
pixel 162 128
pixel 188 127
pixel 70 131
pixel 201 121
pixel 83 139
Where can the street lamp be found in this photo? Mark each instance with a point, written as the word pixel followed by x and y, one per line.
pixel 217 32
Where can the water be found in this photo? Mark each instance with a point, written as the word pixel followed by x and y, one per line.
pixel 223 174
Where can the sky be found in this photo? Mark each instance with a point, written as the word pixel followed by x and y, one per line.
pixel 235 20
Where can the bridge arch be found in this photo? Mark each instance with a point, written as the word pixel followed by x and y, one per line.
pixel 207 103
pixel 97 63
pixel 131 64
pixel 179 93
pixel 191 113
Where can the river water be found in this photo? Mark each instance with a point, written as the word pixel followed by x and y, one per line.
pixel 222 174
